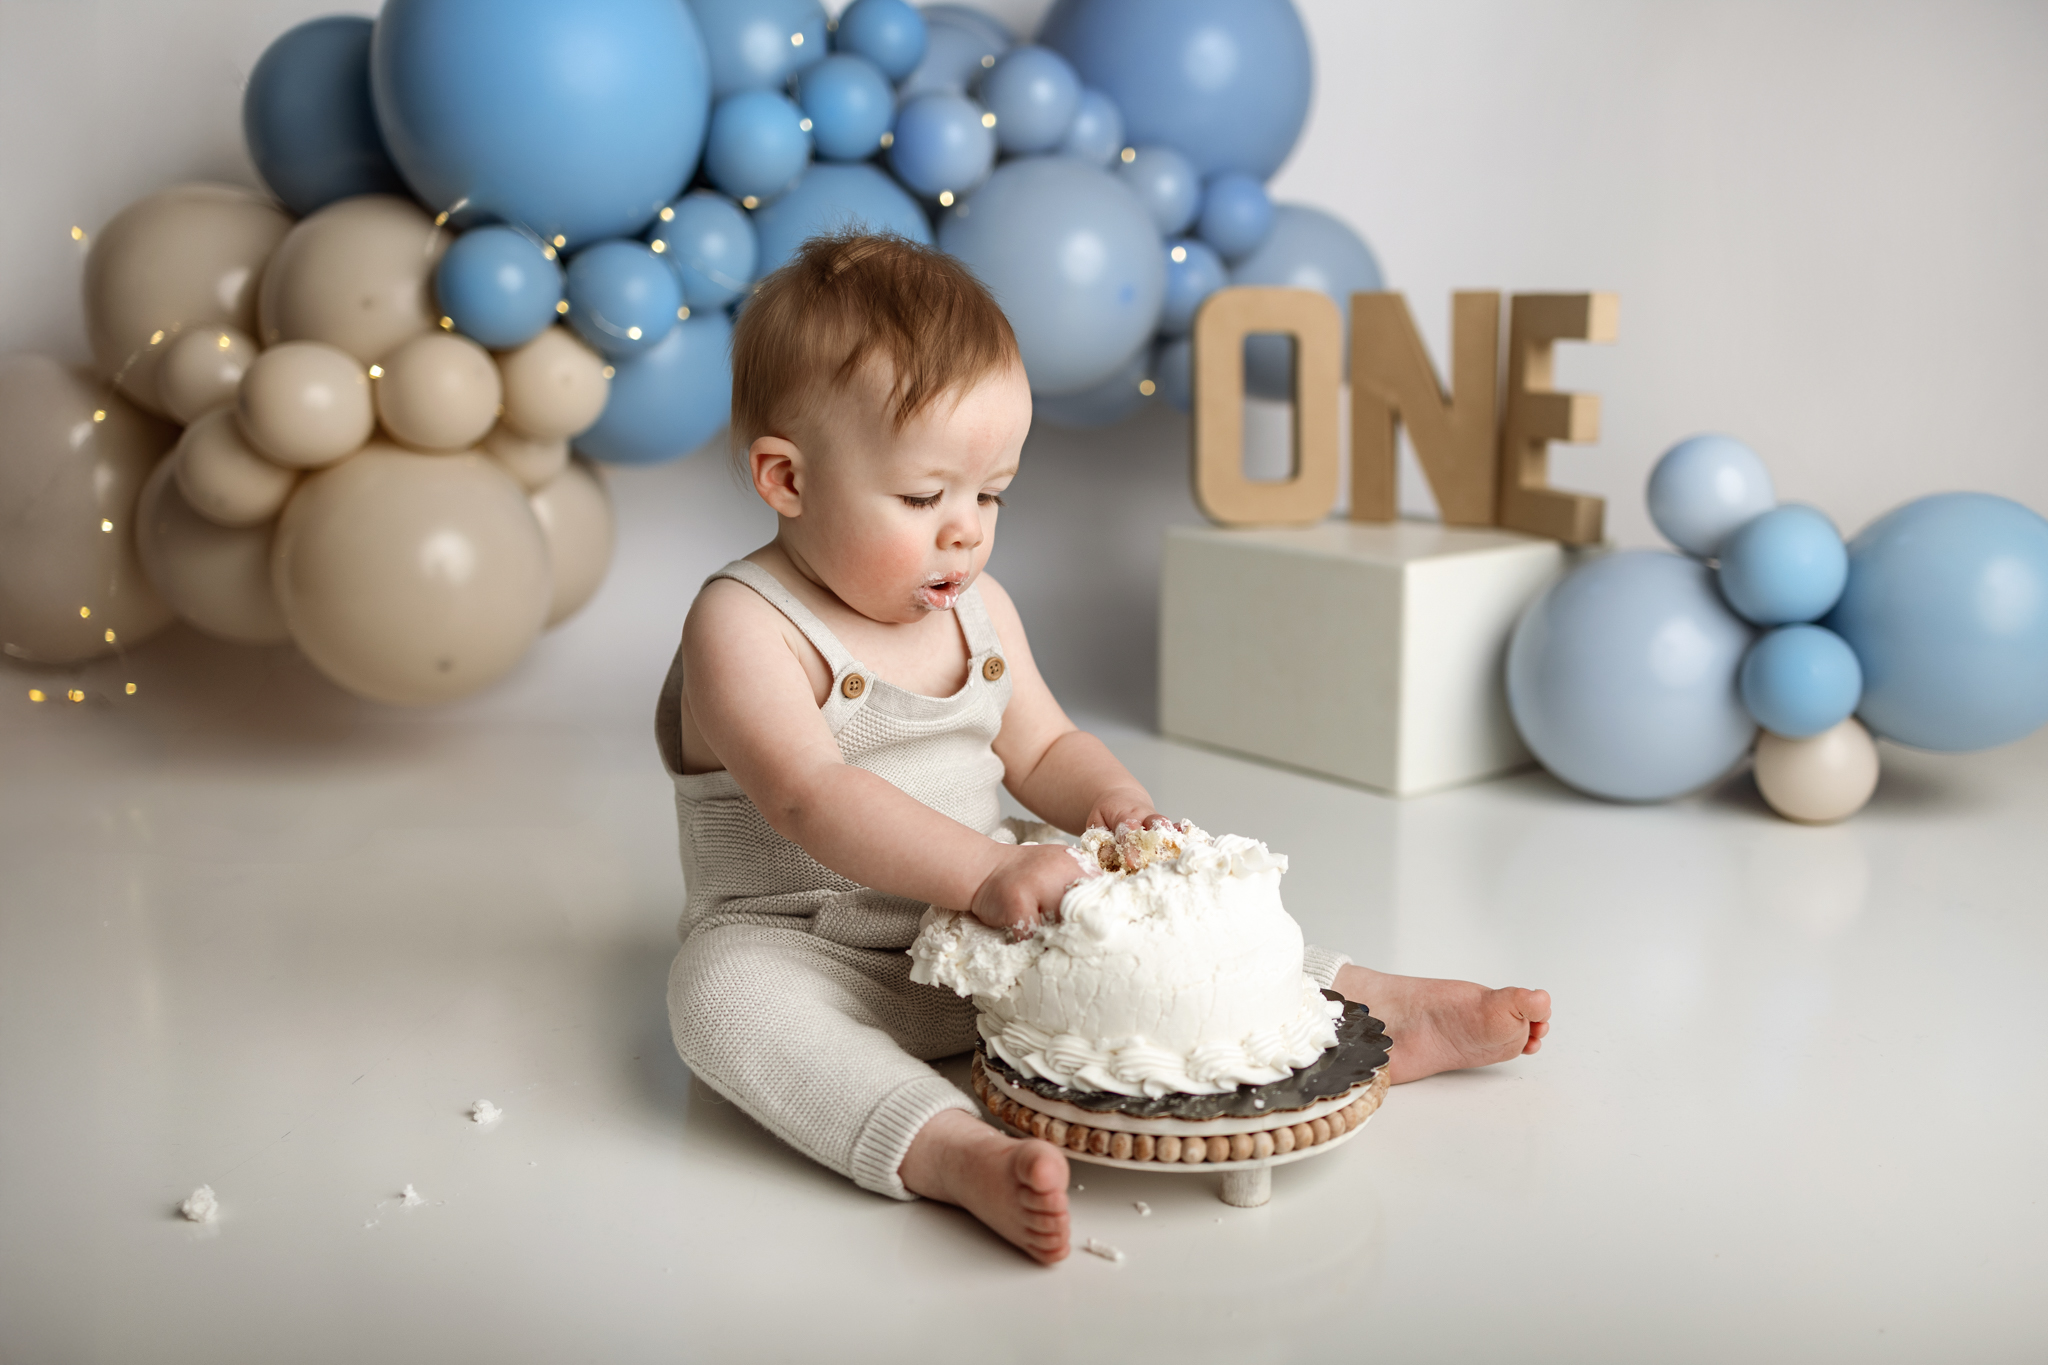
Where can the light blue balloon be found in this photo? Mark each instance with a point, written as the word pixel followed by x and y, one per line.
pixel 669 401
pixel 498 286
pixel 1703 488
pixel 758 146
pixel 1235 216
pixel 942 145
pixel 752 43
pixel 1109 402
pixel 710 244
pixel 1193 273
pixel 850 105
pixel 957 53
pixel 1800 680
pixel 1173 368
pixel 1072 257
pixel 1096 133
pixel 889 33
pixel 1224 82
pixel 622 298
pixel 1166 184
pixel 1947 609
pixel 989 31
pixel 1786 565
pixel 1033 94
pixel 490 111
pixel 832 198
pixel 1622 678
pixel 1306 249
pixel 308 120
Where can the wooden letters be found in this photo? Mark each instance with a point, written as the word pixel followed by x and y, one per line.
pixel 1222 491
pixel 1538 414
pixel 1392 382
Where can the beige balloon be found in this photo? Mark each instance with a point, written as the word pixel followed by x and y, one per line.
pixel 439 392
pixel 534 463
pixel 555 385
pixel 202 369
pixel 222 476
pixel 216 577
pixel 1820 780
pixel 188 256
pixel 412 579
pixel 306 404
pixel 575 514
pixel 357 274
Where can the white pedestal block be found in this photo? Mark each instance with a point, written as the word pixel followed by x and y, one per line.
pixel 1371 652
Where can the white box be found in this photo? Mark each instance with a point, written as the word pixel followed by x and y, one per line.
pixel 1371 652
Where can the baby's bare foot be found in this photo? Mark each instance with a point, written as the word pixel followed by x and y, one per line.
pixel 1448 1025
pixel 1018 1187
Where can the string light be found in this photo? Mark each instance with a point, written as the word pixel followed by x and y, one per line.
pixel 796 40
pixel 223 341
pixel 632 334
pixel 1147 387
pixel 988 120
pixel 441 218
pixel 548 252
pixel 668 215
pixel 84 613
pixel 376 372
pixel 609 372
pixel 562 306
pixel 77 234
pixel 657 246
pixel 110 635
pixel 560 240
pixel 106 525
pixel 447 324
pixel 156 338
pixel 750 202
pixel 946 198
pixel 131 689
pixel 888 140
pixel 804 124
pixel 99 414
pixel 988 61
pixel 74 695
pixel 1179 253
pixel 683 313
pixel 1129 154
pixel 36 693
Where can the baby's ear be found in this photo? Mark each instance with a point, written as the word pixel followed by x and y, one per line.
pixel 774 465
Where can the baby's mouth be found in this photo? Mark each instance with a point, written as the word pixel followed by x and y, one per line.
pixel 940 594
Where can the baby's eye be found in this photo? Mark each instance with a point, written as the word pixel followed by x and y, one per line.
pixel 928 500
pixel 993 499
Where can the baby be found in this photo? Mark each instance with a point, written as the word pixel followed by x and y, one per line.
pixel 848 701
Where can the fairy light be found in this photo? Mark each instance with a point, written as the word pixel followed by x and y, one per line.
pixel 1179 253
pixel 888 140
pixel 804 124
pixel 668 215
pixel 796 40
pixel 1147 387
pixel 376 372
pixel 683 313
pixel 988 120
pixel 1129 154
pixel 106 525
pixel 547 252
pixel 562 306
pixel 946 198
pixel 224 341
pixel 608 372
pixel 36 693
pixel 657 246
pixel 130 689
pixel 156 338
pixel 99 414
pixel 85 613
pixel 750 202
pixel 74 695
pixel 77 234
pixel 447 323
pixel 110 635
pixel 632 334
pixel 560 240
pixel 988 61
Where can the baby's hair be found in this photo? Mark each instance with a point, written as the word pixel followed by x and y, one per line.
pixel 848 299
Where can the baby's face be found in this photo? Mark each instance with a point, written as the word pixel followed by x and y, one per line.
pixel 899 523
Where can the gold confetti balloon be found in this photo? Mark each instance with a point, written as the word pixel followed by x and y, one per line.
pixel 73 457
pixel 575 515
pixel 412 579
pixel 185 257
pixel 357 274
pixel 216 577
pixel 438 392
pixel 535 463
pixel 223 477
pixel 201 370
pixel 555 385
pixel 306 404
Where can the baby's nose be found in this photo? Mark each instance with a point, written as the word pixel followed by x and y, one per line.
pixel 961 532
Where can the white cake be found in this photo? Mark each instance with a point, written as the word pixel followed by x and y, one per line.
pixel 1174 968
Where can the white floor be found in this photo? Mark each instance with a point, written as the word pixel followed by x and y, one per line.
pixel 256 935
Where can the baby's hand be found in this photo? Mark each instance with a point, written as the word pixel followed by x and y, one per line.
pixel 1119 808
pixel 1026 887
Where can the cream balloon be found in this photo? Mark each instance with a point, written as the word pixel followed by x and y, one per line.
pixel 575 514
pixel 216 577
pixel 534 463
pixel 357 274
pixel 306 404
pixel 439 392
pixel 184 257
pixel 202 369
pixel 73 457
pixel 1820 780
pixel 555 385
pixel 412 579
pixel 222 476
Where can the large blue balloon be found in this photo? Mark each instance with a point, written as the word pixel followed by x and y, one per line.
pixel 758 44
pixel 1622 678
pixel 1800 680
pixel 987 30
pixel 758 145
pixel 1947 608
pixel 1703 488
pixel 1236 214
pixel 498 286
pixel 711 246
pixel 889 33
pixel 1165 183
pixel 943 145
pixel 1224 82
pixel 958 50
pixel 850 105
pixel 574 121
pixel 307 117
pixel 1306 249
pixel 669 401
pixel 1074 260
pixel 1193 273
pixel 623 298
pixel 1111 401
pixel 837 199
pixel 1033 93
pixel 1096 133
pixel 1785 565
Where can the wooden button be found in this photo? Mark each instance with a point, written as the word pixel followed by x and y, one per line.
pixel 854 685
pixel 993 669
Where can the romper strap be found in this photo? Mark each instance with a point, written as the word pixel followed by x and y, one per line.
pixel 979 631
pixel 837 656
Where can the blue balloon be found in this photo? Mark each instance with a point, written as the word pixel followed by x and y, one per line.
pixel 1224 82
pixel 1096 134
pixel 1033 94
pixel 1786 565
pixel 987 30
pixel 1800 680
pixel 1622 678
pixel 669 401
pixel 833 198
pixel 957 53
pixel 758 44
pixel 1109 402
pixel 1193 273
pixel 849 104
pixel 1703 488
pixel 1165 183
pixel 307 117
pixel 711 246
pixel 1173 371
pixel 1073 259
pixel 498 286
pixel 1947 609
pixel 1235 216
pixel 889 33
pixel 490 111
pixel 623 298
pixel 758 145
pixel 1306 249
pixel 942 145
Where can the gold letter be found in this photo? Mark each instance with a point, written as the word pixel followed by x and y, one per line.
pixel 1392 382
pixel 1225 320
pixel 1539 414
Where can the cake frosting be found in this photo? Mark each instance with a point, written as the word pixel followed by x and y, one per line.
pixel 1173 967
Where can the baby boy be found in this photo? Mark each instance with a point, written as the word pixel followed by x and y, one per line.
pixel 847 704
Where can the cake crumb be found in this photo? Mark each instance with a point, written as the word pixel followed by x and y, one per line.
pixel 483 1111
pixel 1102 1249
pixel 200 1206
pixel 410 1198
pixel 1144 1209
